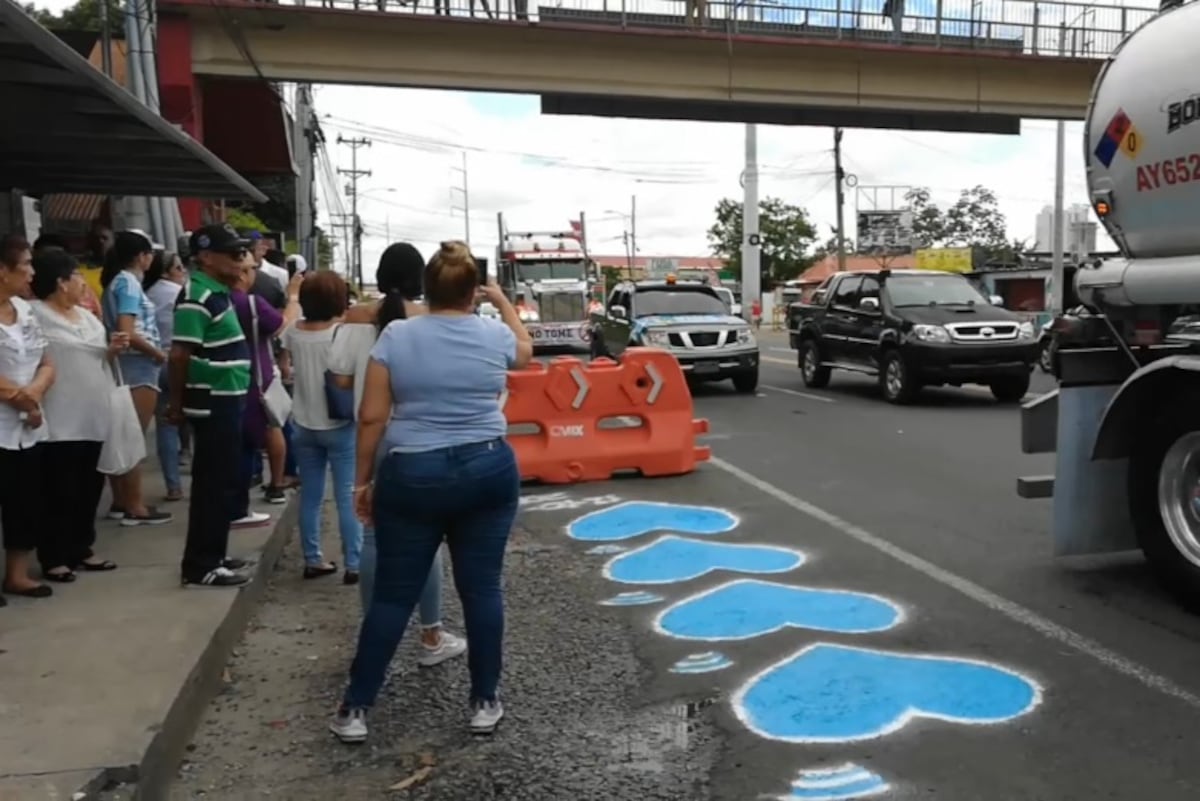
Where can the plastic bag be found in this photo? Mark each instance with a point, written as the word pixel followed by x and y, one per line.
pixel 125 447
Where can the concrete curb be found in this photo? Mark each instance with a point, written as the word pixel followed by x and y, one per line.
pixel 154 774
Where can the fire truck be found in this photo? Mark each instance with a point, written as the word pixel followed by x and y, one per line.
pixel 550 279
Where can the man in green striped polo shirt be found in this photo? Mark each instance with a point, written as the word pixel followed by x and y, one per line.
pixel 208 379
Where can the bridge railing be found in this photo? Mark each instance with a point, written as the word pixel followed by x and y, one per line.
pixel 1038 27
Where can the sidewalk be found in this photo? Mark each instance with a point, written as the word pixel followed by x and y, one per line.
pixel 106 681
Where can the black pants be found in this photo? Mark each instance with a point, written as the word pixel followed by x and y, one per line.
pixel 217 484
pixel 72 495
pixel 22 497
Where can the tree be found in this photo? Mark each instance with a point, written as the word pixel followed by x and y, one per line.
pixel 83 16
pixel 974 221
pixel 785 231
pixel 830 247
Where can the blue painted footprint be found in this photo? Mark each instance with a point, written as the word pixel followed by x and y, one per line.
pixel 842 783
pixel 748 608
pixel 635 518
pixel 670 559
pixel 836 693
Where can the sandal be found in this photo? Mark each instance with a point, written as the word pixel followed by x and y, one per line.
pixel 97 567
pixel 63 575
pixel 317 571
pixel 37 591
pixel 172 496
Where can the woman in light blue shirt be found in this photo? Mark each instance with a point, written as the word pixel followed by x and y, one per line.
pixel 431 398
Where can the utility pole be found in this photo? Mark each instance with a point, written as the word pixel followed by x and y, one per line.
pixel 355 173
pixel 839 177
pixel 751 275
pixel 305 138
pixel 632 231
pixel 465 208
pixel 1057 272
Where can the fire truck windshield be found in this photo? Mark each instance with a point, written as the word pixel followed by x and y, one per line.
pixel 544 270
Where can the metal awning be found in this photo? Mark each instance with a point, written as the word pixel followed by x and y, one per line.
pixel 67 127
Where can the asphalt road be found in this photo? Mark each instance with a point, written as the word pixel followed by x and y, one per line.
pixel 905 631
pixel 918 505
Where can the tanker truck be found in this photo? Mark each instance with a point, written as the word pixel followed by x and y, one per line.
pixel 1124 423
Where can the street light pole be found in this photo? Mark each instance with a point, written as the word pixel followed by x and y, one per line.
pixel 751 277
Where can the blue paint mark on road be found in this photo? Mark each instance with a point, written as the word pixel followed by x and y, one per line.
pixel 670 559
pixel 835 693
pixel 632 599
pixel 605 550
pixel 836 784
pixel 635 518
pixel 702 663
pixel 749 608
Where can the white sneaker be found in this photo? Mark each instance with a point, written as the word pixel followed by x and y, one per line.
pixel 350 725
pixel 486 717
pixel 448 647
pixel 252 520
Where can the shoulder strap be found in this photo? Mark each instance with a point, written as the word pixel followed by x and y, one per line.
pixel 254 338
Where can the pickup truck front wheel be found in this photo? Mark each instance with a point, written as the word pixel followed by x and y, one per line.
pixel 746 382
pixel 896 381
pixel 815 376
pixel 1010 389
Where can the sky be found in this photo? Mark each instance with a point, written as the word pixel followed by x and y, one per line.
pixel 541 171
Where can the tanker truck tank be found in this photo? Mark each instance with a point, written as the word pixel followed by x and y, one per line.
pixel 1142 150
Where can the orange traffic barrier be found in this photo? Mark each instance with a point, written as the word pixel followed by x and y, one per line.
pixel 574 421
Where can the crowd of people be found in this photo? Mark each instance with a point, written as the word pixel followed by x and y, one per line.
pixel 237 354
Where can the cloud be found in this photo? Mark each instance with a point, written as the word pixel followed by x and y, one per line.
pixel 541 171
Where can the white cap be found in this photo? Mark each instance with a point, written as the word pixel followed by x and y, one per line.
pixel 148 238
pixel 298 260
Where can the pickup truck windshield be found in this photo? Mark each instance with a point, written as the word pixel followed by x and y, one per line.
pixel 651 302
pixel 932 290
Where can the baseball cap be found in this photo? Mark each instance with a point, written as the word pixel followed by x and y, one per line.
pixel 154 245
pixel 219 238
pixel 298 261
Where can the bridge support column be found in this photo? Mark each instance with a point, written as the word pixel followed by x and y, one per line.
pixel 180 98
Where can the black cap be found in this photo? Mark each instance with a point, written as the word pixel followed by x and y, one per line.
pixel 220 238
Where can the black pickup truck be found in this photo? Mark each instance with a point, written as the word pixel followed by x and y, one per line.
pixel 912 328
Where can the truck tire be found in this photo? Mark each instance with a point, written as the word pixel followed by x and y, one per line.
pixel 1046 356
pixel 1011 388
pixel 896 381
pixel 809 358
pixel 1163 483
pixel 746 382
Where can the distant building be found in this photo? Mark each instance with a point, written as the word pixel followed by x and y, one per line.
pixel 1079 231
pixel 658 266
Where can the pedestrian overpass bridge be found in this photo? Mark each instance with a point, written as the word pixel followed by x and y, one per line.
pixel 955 65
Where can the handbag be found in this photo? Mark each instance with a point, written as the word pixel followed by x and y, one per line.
pixel 340 401
pixel 277 403
pixel 125 446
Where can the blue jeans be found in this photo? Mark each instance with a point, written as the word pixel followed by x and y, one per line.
pixel 317 450
pixel 166 437
pixel 429 607
pixel 467 495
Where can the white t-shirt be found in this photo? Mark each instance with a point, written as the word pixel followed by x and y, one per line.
pixel 82 377
pixel 21 347
pixel 310 359
pixel 351 353
pixel 280 274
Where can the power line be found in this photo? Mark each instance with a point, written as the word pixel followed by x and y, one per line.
pixel 355 173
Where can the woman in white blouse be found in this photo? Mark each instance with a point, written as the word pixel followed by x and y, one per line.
pixel 75 433
pixel 26 373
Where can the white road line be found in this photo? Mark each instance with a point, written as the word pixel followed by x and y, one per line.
pixel 782 350
pixel 773 360
pixel 1010 609
pixel 821 398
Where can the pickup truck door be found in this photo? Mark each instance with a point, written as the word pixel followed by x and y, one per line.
pixel 863 334
pixel 840 321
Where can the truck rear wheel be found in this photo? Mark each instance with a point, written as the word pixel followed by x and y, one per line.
pixel 1164 502
pixel 815 376
pixel 1010 389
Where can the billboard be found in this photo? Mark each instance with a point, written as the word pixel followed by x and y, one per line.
pixel 885 232
pixel 950 260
